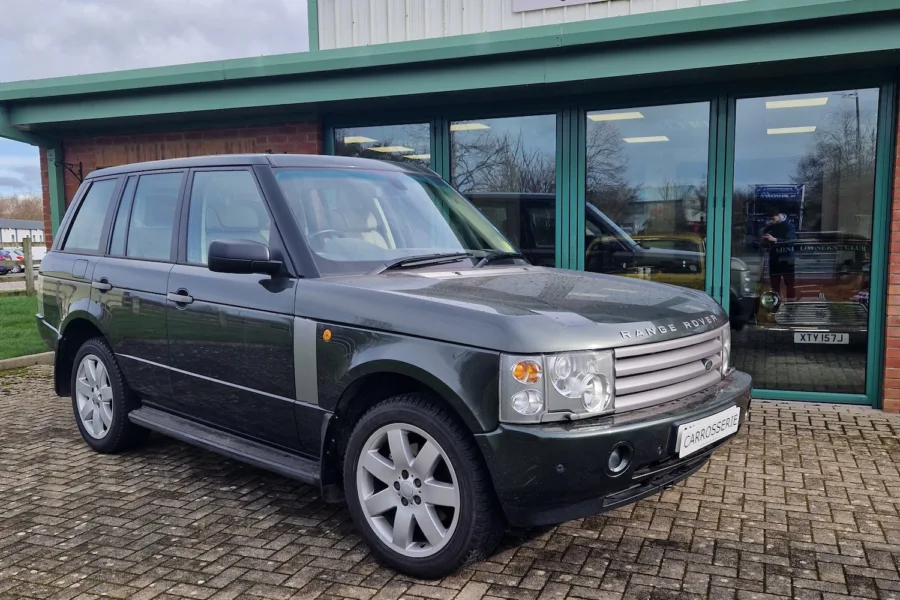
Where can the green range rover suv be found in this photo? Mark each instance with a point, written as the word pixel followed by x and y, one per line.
pixel 361 327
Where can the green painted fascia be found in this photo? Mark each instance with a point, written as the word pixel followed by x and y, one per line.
pixel 312 17
pixel 696 21
pixel 12 133
pixel 834 39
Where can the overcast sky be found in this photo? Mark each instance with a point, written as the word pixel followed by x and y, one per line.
pixel 50 38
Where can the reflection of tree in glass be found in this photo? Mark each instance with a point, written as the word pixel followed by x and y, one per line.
pixel 606 183
pixel 501 162
pixel 415 137
pixel 839 173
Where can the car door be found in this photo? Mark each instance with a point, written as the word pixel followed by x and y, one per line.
pixel 67 271
pixel 131 279
pixel 231 335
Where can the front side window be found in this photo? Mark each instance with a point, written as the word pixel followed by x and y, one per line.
pixel 153 216
pixel 356 220
pixel 225 205
pixel 87 227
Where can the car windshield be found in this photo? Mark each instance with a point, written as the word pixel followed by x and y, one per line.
pixel 357 220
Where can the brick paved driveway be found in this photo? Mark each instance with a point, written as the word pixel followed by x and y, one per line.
pixel 803 504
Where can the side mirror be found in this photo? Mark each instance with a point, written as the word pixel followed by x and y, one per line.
pixel 241 256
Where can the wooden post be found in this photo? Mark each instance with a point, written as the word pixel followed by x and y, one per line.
pixel 29 266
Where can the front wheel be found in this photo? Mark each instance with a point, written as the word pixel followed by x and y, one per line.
pixel 417 489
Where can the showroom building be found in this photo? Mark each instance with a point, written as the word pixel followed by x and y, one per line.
pixel 661 139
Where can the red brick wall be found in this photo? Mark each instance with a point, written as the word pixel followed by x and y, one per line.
pixel 892 324
pixel 110 151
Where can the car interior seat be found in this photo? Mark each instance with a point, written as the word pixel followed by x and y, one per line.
pixel 150 233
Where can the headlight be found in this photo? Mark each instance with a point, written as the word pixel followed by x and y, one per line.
pixel 770 301
pixel 726 350
pixel 561 386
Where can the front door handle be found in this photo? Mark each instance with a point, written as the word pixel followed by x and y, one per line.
pixel 179 298
pixel 103 285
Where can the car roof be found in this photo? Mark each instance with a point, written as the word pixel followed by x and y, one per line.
pixel 274 160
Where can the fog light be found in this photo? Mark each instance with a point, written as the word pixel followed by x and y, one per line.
pixel 619 458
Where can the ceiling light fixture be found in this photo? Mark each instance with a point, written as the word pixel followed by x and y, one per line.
pixel 391 149
pixel 357 139
pixel 418 156
pixel 622 116
pixel 467 126
pixel 647 139
pixel 785 130
pixel 772 104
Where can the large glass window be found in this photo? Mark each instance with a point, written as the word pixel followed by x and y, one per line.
pixel 153 217
pixel 401 143
pixel 507 168
pixel 803 200
pixel 224 205
pixel 87 227
pixel 646 192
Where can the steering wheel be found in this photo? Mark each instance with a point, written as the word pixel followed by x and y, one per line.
pixel 324 232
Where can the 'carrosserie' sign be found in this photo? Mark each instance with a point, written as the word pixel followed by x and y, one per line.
pixel 526 5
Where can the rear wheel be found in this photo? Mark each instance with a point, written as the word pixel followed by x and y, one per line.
pixel 101 400
pixel 417 489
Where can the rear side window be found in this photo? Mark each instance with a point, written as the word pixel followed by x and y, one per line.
pixel 153 216
pixel 224 205
pixel 87 226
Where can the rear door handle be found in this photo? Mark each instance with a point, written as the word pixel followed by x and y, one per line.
pixel 103 285
pixel 179 298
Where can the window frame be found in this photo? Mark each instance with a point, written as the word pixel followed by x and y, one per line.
pixel 277 247
pixel 75 208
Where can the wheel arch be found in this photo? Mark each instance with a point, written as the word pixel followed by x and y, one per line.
pixel 78 328
pixel 376 381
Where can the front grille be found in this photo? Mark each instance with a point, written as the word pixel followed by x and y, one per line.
pixel 834 314
pixel 650 374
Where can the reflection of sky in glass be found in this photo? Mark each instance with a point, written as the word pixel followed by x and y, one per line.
pixel 509 154
pixel 682 157
pixel 538 132
pixel 763 158
pixel 388 142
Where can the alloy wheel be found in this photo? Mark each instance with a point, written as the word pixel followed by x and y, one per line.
pixel 408 490
pixel 94 396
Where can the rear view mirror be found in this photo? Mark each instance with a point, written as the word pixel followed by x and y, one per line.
pixel 241 256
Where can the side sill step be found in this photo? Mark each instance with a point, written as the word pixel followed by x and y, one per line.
pixel 227 444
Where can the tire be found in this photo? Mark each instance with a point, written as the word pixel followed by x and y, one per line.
pixel 112 432
pixel 471 531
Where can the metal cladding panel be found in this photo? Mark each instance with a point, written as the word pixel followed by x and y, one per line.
pixel 348 23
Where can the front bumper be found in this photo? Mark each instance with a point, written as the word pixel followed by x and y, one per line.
pixel 556 472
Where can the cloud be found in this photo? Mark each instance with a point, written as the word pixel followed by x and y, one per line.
pixel 52 38
pixel 49 38
pixel 20 171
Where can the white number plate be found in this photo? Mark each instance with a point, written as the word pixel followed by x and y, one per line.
pixel 803 337
pixel 699 434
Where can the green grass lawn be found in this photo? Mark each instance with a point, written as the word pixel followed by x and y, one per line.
pixel 18 333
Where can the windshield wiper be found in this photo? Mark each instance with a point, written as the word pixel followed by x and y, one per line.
pixel 492 256
pixel 412 262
